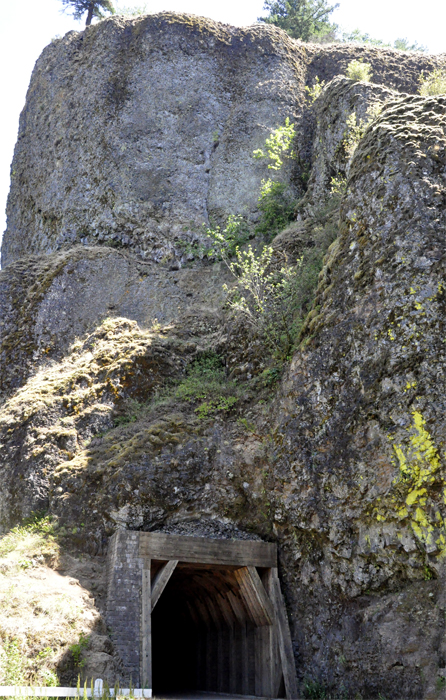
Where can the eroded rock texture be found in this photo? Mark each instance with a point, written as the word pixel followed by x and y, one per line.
pixel 134 133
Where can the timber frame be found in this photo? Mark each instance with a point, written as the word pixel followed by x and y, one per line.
pixel 232 594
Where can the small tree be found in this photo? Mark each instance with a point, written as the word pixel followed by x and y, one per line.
pixel 302 19
pixel 93 8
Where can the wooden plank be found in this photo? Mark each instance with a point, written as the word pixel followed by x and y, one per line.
pixel 254 595
pixel 158 545
pixel 284 638
pixel 146 629
pixel 263 661
pixel 276 676
pixel 237 608
pixel 161 579
pixel 245 659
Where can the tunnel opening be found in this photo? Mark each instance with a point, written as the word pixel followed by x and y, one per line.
pixel 208 613
pixel 204 637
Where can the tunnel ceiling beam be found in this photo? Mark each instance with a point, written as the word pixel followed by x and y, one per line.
pixel 200 550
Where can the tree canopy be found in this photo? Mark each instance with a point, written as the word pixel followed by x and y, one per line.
pixel 302 19
pixel 93 8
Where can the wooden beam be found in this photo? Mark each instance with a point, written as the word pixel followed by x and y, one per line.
pixel 237 608
pixel 146 629
pixel 202 550
pixel 284 635
pixel 255 596
pixel 161 579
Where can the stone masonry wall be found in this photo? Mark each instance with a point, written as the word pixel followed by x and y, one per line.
pixel 124 600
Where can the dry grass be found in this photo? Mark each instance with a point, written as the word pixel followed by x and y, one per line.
pixel 42 613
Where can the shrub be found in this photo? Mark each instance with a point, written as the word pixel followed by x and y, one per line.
pixel 312 93
pixel 278 146
pixel 222 242
pixel 356 128
pixel 358 70
pixel 276 204
pixel 434 83
pixel 264 295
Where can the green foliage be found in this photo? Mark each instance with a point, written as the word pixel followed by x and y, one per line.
pixel 356 129
pixel 358 37
pixel 312 93
pixel 226 241
pixel 78 648
pixel 38 524
pixel 94 8
pixel 405 45
pixel 277 206
pixel 276 203
pixel 441 683
pixel 206 383
pixel 278 146
pixel 133 10
pixel 434 83
pixel 302 19
pixel 358 70
pixel 314 690
pixel 338 186
pixel 264 296
pixel 12 663
pixel 428 574
pixel 222 242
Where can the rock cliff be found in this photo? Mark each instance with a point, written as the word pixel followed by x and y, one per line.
pixel 134 134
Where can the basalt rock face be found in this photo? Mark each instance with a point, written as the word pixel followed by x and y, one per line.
pixel 343 463
pixel 135 133
pixel 359 449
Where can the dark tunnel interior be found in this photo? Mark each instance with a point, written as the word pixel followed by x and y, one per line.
pixel 203 638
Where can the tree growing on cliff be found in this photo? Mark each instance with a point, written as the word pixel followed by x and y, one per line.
pixel 93 8
pixel 302 19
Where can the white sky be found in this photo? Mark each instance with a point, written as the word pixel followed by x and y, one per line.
pixel 29 25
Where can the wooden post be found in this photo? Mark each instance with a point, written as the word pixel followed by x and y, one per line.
pixel 161 580
pixel 284 635
pixel 146 628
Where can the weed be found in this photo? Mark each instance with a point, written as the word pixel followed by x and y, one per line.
pixel 313 93
pixel 428 574
pixel 207 383
pixel 250 427
pixel 358 70
pixel 434 83
pixel 441 683
pixel 314 690
pixel 12 663
pixel 78 648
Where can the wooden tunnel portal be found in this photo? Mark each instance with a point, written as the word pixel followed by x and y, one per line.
pixel 211 615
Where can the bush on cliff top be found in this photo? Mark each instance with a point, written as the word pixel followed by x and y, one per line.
pixel 433 83
pixel 358 70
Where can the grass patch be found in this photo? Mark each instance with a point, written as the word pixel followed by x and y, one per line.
pixel 205 387
pixel 41 614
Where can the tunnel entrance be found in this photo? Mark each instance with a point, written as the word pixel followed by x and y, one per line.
pixel 211 615
pixel 202 628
